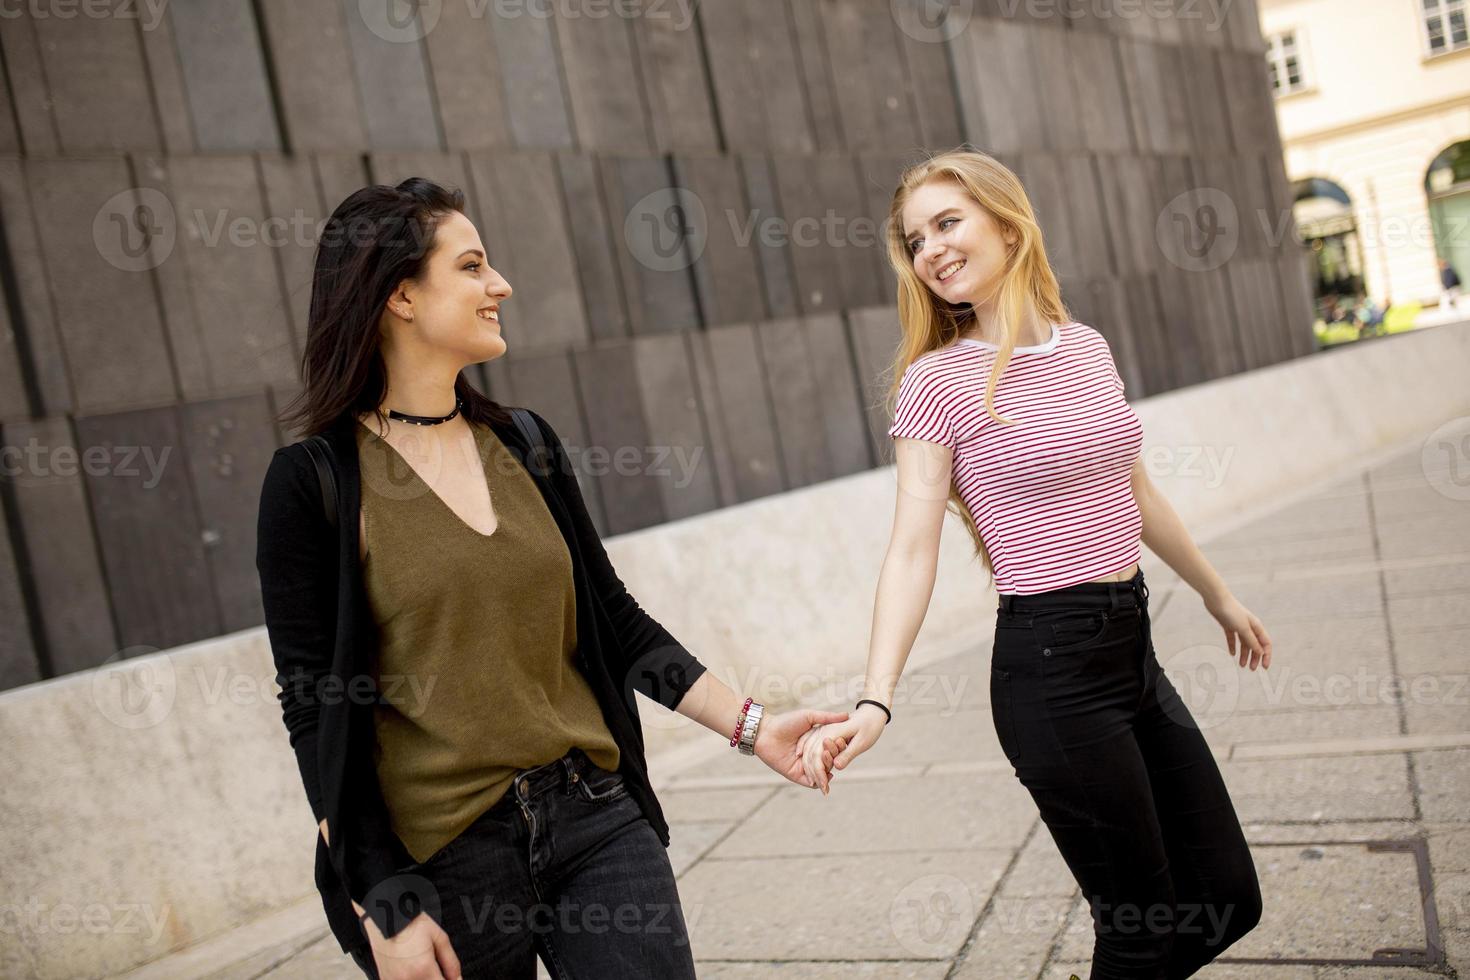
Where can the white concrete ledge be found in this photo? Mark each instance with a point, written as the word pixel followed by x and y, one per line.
pixel 156 804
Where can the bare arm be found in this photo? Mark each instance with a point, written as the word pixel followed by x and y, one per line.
pixel 1167 537
pixel 905 586
pixel 906 580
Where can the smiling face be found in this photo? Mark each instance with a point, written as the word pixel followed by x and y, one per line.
pixel 958 250
pixel 456 303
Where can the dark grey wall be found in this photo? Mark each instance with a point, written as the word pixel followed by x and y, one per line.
pixel 158 353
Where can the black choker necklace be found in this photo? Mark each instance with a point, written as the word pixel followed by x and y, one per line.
pixel 393 413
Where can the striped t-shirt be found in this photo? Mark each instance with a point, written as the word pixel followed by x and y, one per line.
pixel 1050 493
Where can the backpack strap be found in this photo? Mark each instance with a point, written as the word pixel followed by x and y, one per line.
pixel 531 432
pixel 320 451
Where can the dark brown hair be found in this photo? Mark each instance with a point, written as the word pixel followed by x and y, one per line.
pixel 377 237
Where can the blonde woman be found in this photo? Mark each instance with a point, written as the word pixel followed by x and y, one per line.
pixel 1014 412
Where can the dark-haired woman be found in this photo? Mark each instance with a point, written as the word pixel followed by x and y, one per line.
pixel 458 660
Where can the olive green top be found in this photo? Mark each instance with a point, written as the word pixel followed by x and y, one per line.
pixel 477 637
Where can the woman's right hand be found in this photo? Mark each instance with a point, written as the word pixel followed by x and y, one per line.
pixel 825 749
pixel 419 951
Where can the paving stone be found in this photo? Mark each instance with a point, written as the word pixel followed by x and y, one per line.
pixel 1423 613
pixel 1333 901
pixel 840 970
pixel 1014 938
pixel 1371 787
pixel 1277 725
pixel 1269 832
pixel 1449 847
pixel 688 842
pixel 1368 973
pixel 1039 871
pixel 1434 578
pixel 711 805
pixel 1437 703
pixel 1443 779
pixel 322 960
pixel 930 739
pixel 917 904
pixel 905 814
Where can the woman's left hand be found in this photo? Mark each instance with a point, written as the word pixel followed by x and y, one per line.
pixel 1239 623
pixel 778 741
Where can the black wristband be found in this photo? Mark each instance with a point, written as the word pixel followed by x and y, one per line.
pixel 880 704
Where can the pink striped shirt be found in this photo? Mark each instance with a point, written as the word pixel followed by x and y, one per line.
pixel 1050 493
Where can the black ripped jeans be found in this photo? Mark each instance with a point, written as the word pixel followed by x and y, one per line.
pixel 1123 778
pixel 566 867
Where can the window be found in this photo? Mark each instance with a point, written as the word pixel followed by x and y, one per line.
pixel 1286 62
pixel 1444 26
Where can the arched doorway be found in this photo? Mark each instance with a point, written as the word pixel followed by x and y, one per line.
pixel 1329 229
pixel 1447 185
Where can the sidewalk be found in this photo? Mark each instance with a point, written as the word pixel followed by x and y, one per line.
pixel 1349 763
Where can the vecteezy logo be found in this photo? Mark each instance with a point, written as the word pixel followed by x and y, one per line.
pixel 400 21
pixel 932 21
pixel 657 678
pixel 135 687
pixel 1445 459
pixel 932 915
pixel 1198 230
pixel 667 230
pixel 135 229
pixel 401 898
pixel 1206 686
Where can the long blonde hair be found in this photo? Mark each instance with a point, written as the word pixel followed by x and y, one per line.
pixel 928 323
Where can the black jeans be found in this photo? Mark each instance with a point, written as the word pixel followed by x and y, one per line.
pixel 1124 780
pixel 564 866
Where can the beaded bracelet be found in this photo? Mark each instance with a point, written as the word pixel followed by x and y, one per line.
pixel 735 739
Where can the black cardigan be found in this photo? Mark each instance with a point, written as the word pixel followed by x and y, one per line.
pixel 323 640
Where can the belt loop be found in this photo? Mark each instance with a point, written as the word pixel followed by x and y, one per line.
pixel 1006 601
pixel 1113 604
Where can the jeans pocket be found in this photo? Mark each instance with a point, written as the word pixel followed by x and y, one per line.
pixel 600 786
pixel 1002 713
pixel 1071 629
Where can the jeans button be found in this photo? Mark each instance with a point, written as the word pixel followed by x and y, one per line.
pixel 1046 651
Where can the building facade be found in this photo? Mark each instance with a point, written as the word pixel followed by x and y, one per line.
pixel 1373 101
pixel 686 198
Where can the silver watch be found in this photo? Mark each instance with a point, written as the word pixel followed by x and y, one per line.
pixel 747 732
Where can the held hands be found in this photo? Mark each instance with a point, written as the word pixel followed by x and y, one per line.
pixel 837 745
pixel 779 740
pixel 1240 623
